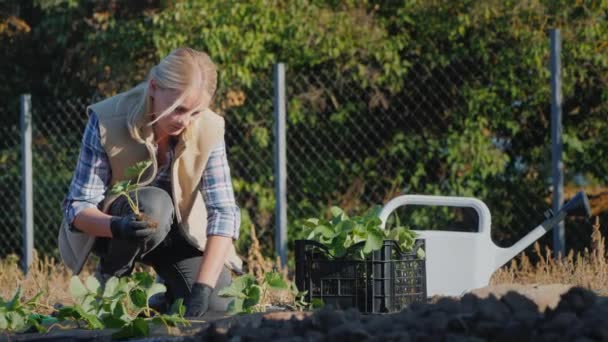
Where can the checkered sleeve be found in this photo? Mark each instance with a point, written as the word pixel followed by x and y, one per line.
pixel 92 174
pixel 223 215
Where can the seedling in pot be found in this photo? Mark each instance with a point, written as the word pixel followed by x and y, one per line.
pixel 124 188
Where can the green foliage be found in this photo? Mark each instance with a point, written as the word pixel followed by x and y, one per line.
pixel 342 232
pixel 17 316
pixel 247 292
pixel 125 188
pixel 122 304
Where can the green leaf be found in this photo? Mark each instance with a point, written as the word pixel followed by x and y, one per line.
pixel 374 242
pixel 172 320
pixel 253 298
pixel 90 304
pixel 373 222
pixel 34 321
pixel 93 285
pixel 120 187
pixel 405 238
pixel 136 328
pixel 124 285
pixel 275 280
pixel 154 289
pixel 68 312
pixel 137 169
pixel 337 212
pixel 14 303
pixel 138 297
pixel 238 286
pixel 324 231
pixel 77 289
pixel 120 312
pixel 48 320
pixel 420 253
pixel 178 307
pixel 311 223
pixel 111 288
pixel 338 251
pixel 144 279
pixel 113 322
pixel 93 321
pixel 345 226
pixel 16 321
pixel 3 321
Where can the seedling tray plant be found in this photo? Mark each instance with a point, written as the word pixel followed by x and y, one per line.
pixel 352 262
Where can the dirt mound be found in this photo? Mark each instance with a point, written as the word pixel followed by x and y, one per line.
pixel 545 296
pixel 580 315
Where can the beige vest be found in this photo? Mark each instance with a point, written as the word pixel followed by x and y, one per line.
pixel 190 158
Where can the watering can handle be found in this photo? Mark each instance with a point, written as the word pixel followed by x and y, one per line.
pixel 448 201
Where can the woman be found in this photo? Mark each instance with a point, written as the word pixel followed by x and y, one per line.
pixel 187 189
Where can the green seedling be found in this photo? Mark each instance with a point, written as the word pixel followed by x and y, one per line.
pixel 247 292
pixel 341 232
pixel 124 188
pixel 20 316
pixel 122 304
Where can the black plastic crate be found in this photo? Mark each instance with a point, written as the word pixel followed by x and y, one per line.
pixel 387 280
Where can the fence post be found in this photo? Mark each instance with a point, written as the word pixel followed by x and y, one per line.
pixel 557 167
pixel 27 210
pixel 280 163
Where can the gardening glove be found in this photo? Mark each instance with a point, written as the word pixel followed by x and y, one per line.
pixel 128 227
pixel 197 303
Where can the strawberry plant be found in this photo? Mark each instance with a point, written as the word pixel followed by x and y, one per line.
pixel 122 304
pixel 18 316
pixel 341 232
pixel 124 188
pixel 248 293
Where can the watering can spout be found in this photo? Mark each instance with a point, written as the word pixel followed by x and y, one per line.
pixel 577 206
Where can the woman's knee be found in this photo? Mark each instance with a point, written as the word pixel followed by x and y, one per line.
pixel 157 205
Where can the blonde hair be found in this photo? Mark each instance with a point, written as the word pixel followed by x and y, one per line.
pixel 184 70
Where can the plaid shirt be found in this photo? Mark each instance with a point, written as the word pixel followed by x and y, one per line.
pixel 93 174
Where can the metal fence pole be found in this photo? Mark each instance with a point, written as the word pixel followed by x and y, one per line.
pixel 557 168
pixel 26 185
pixel 280 163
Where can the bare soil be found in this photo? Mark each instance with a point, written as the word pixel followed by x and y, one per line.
pixel 580 315
pixel 496 313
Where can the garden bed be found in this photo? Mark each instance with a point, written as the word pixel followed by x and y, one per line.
pixel 506 313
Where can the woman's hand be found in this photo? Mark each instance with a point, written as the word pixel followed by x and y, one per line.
pixel 128 227
pixel 197 304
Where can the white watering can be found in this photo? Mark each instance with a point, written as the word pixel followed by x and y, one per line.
pixel 458 262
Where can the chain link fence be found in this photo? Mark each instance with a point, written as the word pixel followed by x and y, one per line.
pixel 348 144
pixel 10 181
pixel 56 136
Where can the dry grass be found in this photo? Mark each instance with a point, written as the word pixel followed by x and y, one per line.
pixel 45 275
pixel 258 266
pixel 588 269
